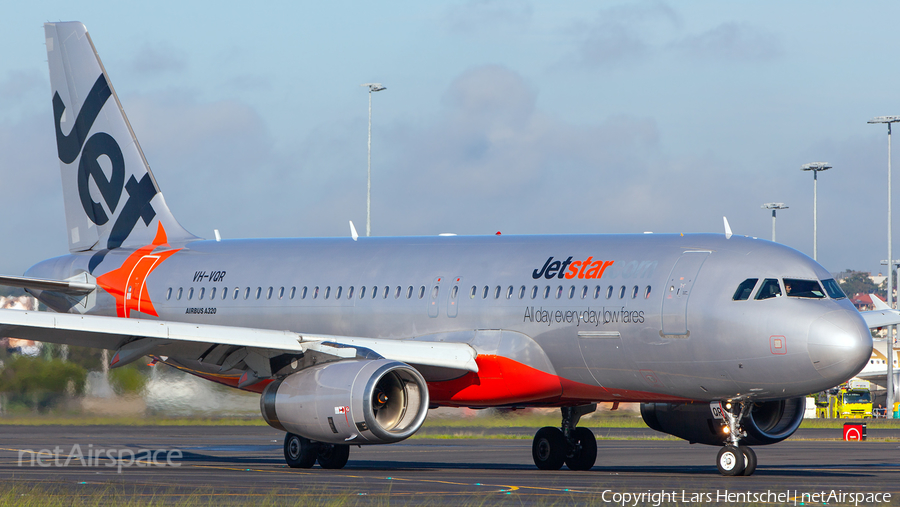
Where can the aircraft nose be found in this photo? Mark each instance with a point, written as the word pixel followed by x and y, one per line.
pixel 839 344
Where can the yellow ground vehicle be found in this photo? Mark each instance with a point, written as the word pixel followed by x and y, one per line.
pixel 845 402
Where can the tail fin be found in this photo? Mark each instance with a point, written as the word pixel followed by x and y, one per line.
pixel 111 197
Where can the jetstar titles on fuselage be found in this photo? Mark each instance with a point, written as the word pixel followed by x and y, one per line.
pixel 588 268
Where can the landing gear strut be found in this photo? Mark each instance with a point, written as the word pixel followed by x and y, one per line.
pixel 735 459
pixel 576 447
pixel 301 452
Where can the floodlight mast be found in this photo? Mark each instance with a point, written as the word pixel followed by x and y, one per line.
pixel 815 167
pixel 774 206
pixel 373 87
pixel 890 282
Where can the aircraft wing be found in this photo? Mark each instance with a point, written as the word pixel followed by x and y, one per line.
pixel 134 338
pixel 881 318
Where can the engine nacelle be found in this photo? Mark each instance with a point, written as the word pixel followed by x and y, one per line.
pixel 375 401
pixel 769 422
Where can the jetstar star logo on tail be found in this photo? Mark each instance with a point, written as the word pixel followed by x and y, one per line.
pixel 588 268
pixel 128 283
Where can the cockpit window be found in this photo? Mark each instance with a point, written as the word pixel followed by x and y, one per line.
pixel 769 289
pixel 797 288
pixel 745 289
pixel 833 289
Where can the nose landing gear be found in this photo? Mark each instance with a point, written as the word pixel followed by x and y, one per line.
pixel 735 459
pixel 574 446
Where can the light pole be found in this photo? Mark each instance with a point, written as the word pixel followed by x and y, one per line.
pixel 815 167
pixel 890 282
pixel 373 87
pixel 774 206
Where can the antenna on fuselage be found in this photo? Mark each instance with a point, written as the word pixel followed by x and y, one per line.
pixel 728 232
pixel 353 233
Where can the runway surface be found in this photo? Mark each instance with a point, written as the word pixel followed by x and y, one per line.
pixel 246 462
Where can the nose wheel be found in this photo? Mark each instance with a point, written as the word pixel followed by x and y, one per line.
pixel 735 459
pixel 573 446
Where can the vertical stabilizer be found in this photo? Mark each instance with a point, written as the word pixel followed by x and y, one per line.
pixel 111 197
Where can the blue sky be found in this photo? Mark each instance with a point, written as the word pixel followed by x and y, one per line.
pixel 584 117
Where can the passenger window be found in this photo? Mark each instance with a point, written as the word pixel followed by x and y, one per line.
pixel 236 292
pixel 497 292
pixel 454 292
pixel 534 290
pixel 769 289
pixel 362 291
pixel 269 293
pixel 190 293
pixel 509 292
pixel 316 292
pixel 559 292
pixel 522 292
pixel 647 292
pixel 281 293
pixel 180 290
pixel 546 291
pixel 350 292
pixel 258 292
pixel 212 293
pixel 622 292
pixel 745 289
pixel 571 291
pixel 409 292
pixel 484 293
pixel 797 288
pixel 169 294
pixel 634 292
pixel 337 293
pixel 327 291
pixel 434 291
pixel 387 290
pixel 224 293
pixel 597 291
pixel 421 292
pixel 294 292
pixel 472 293
pixel 609 291
pixel 397 293
pixel 202 291
pixel 584 292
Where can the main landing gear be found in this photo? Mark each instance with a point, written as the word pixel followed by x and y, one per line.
pixel 301 452
pixel 735 459
pixel 576 447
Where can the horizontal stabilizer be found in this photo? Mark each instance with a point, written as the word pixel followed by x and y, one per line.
pixel 67 287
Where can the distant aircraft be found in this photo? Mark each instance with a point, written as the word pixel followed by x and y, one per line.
pixel 351 340
pixel 875 370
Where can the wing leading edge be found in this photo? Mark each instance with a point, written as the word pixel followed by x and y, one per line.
pixel 133 338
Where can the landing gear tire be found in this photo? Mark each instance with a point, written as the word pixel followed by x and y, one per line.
pixel 749 461
pixel 333 456
pixel 584 454
pixel 730 461
pixel 549 448
pixel 299 452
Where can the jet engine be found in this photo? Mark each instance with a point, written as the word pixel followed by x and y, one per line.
pixel 769 422
pixel 353 401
